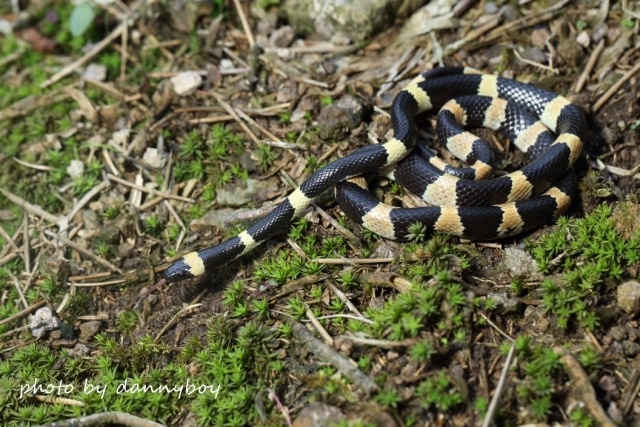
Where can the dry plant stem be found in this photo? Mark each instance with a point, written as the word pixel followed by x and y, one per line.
pixel 26 105
pixel 633 388
pixel 149 190
pixel 264 131
pixel 488 419
pixel 22 313
pixel 338 361
pixel 86 198
pixel 525 22
pixel 548 68
pixel 96 49
pixel 34 209
pixel 316 324
pixel 613 89
pixel 293 286
pixel 380 343
pixel 8 239
pixel 83 250
pixel 60 400
pixel 32 166
pixel 353 261
pixel 245 23
pixel 462 6
pixel 96 284
pixel 386 280
pixel 103 418
pixel 18 287
pixel 471 36
pixel 581 388
pixel 175 317
pixel 344 299
pixel 593 58
pixel 494 326
pixel 232 112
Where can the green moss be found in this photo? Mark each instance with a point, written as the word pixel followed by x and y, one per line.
pixel 590 250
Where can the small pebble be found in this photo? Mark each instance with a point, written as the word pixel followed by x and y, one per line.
pixel 186 82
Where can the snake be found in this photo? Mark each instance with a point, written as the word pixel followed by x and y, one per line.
pixel 463 201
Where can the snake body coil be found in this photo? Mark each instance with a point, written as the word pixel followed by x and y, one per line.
pixel 464 205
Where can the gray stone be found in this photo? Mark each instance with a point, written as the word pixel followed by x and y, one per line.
pixel 335 120
pixel 629 297
pixel 245 192
pixel 503 303
pixel 88 330
pixel 42 321
pixel 520 263
pixel 339 19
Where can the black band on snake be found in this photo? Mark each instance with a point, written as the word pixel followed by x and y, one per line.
pixel 463 205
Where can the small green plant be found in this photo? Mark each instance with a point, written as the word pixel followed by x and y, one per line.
pixel 389 397
pixel 439 392
pixel 152 224
pixel 111 212
pixel 127 321
pixel 266 156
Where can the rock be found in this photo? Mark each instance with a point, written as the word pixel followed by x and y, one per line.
pixel 626 217
pixel 631 349
pixel 223 219
pixel 75 169
pixel 503 303
pixel 109 234
pixel 154 158
pixel 534 54
pixel 319 415
pixel 88 330
pixel 342 19
pixel 42 321
pixel 80 350
pixel 629 297
pixel 583 39
pixel 249 191
pixel 186 82
pixel 335 120
pixel 520 263
pixel 618 333
pixel 90 219
pixel 96 72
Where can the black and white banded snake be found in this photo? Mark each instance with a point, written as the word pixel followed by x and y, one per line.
pixel 462 203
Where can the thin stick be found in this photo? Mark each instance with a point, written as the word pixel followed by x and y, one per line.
pixel 83 250
pixel 494 326
pixel 148 190
pixel 321 330
pixel 589 67
pixel 257 125
pixel 613 89
pixel 245 23
pixel 8 239
pixel 106 418
pixel 34 209
pixel 493 406
pixel 344 299
pixel 231 111
pixel 85 199
pixel 337 360
pixel 96 284
pixel 354 261
pixel 18 287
